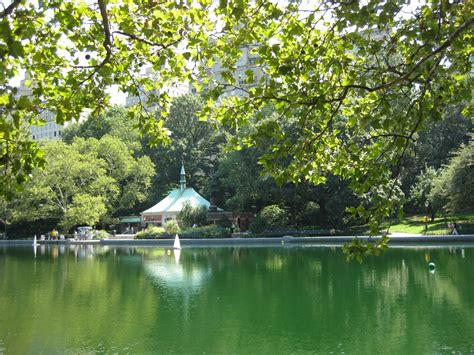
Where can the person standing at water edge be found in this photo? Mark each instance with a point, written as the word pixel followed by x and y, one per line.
pixel 455 229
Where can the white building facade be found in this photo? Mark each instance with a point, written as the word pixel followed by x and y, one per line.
pixel 50 129
pixel 169 208
pixel 173 90
pixel 247 62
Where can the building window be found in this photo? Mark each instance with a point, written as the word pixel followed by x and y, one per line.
pixel 55 133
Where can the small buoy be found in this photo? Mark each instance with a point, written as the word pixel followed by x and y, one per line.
pixel 431 266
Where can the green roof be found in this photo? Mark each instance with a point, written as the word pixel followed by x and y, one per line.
pixel 176 200
pixel 130 219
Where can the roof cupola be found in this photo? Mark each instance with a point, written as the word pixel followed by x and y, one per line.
pixel 182 181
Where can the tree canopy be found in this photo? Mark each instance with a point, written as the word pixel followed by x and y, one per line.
pixel 351 82
pixel 86 182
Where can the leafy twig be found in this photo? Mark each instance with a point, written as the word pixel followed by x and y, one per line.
pixel 405 76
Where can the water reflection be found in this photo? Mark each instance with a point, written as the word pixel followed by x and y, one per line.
pixel 177 255
pixel 166 270
pixel 237 300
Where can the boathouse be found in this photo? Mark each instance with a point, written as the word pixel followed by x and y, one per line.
pixel 169 207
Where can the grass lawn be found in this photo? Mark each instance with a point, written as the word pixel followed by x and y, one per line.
pixel 415 225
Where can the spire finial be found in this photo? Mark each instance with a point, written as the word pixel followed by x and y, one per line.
pixel 182 181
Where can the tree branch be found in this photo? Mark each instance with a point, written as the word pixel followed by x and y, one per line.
pixel 10 8
pixel 151 43
pixel 105 23
pixel 107 44
pixel 330 120
pixel 405 76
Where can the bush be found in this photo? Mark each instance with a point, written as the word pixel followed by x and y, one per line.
pixel 309 214
pixel 190 216
pixel 212 231
pixel 101 234
pixel 309 228
pixel 269 217
pixel 150 231
pixel 274 216
pixel 172 227
pixel 258 224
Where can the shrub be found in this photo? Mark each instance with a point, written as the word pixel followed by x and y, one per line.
pixel 172 227
pixel 309 214
pixel 150 231
pixel 101 234
pixel 212 231
pixel 190 216
pixel 269 218
pixel 258 224
pixel 274 216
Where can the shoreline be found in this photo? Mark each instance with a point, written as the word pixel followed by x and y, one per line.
pixel 218 242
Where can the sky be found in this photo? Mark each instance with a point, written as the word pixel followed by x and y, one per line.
pixel 116 97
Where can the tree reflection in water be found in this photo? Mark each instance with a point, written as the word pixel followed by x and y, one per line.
pixel 243 300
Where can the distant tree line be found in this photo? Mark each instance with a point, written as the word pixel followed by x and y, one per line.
pixel 104 168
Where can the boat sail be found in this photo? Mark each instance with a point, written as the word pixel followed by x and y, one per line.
pixel 177 244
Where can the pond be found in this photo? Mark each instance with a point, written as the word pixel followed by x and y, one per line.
pixel 267 300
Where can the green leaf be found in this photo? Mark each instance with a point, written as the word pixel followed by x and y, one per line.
pixel 16 49
pixel 4 99
pixel 284 69
pixel 238 11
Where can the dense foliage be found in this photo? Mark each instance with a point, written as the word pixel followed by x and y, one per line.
pixel 84 183
pixel 453 188
pixel 101 173
pixel 342 91
pixel 193 216
pixel 171 227
pixel 361 78
pixel 150 232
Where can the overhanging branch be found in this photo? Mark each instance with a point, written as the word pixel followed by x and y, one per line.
pixel 405 76
pixel 10 8
pixel 107 44
pixel 151 43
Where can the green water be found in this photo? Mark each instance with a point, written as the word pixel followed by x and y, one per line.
pixel 88 299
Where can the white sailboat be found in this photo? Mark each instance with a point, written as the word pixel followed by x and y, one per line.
pixel 177 243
